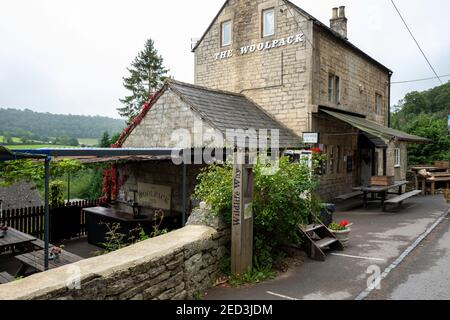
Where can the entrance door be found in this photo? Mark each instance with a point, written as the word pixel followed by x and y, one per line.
pixel 366 168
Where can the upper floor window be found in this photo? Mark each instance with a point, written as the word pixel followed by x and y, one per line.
pixel 334 89
pixel 378 103
pixel 226 33
pixel 268 22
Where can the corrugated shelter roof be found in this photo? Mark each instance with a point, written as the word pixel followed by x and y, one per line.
pixel 7 155
pixel 226 110
pixel 377 130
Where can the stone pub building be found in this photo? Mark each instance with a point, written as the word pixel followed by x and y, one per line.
pixel 268 64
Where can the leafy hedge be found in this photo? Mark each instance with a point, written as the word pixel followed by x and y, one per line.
pixel 281 203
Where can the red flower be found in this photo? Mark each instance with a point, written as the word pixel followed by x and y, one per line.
pixel 344 223
pixel 316 150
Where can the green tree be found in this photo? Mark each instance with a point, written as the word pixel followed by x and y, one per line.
pixel 104 141
pixel 73 142
pixel 425 114
pixel 32 171
pixel 147 74
pixel 114 138
pixel 434 129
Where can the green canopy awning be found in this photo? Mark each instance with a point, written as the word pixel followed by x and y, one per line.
pixel 377 130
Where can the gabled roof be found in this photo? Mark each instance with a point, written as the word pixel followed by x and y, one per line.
pixel 316 22
pixel 224 110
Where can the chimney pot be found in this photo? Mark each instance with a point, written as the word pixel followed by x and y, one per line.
pixel 338 22
pixel 335 13
pixel 342 12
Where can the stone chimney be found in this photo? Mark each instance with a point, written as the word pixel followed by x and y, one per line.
pixel 338 21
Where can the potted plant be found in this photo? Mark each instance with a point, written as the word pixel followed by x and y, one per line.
pixel 55 252
pixel 341 231
pixel 3 230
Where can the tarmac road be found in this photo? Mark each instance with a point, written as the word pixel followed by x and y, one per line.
pixel 424 274
pixel 378 240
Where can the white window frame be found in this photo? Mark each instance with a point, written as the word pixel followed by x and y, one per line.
pixel 397 157
pixel 222 33
pixel 264 33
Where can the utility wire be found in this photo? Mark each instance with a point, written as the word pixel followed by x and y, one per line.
pixel 417 43
pixel 423 79
pixel 289 7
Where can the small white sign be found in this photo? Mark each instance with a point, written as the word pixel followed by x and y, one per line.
pixel 311 137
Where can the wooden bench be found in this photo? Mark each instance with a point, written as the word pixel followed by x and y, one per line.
pixel 5 277
pixel 401 198
pixel 438 178
pixel 35 260
pixel 40 244
pixel 350 195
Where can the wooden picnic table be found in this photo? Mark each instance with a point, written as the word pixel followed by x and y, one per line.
pixel 35 260
pixel 432 180
pixel 434 169
pixel 435 177
pixel 428 168
pixel 15 238
pixel 383 191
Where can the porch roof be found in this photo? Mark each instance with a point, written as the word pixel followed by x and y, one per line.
pixel 375 129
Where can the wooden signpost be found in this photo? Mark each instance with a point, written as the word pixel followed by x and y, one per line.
pixel 242 219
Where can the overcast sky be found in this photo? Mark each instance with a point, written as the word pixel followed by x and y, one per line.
pixel 70 56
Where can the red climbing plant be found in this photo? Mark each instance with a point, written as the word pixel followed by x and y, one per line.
pixel 136 121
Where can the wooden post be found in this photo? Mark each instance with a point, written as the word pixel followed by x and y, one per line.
pixel 242 220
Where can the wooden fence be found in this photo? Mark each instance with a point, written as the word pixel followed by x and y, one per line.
pixel 30 220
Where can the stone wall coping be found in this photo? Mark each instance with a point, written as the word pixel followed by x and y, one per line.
pixel 147 251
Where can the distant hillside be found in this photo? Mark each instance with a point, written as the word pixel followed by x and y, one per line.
pixel 434 103
pixel 425 114
pixel 20 123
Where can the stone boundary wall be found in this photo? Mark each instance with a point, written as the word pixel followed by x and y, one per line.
pixel 178 265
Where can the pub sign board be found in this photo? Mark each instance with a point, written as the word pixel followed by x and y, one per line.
pixel 155 196
pixel 311 137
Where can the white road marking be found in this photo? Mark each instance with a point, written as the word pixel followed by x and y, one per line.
pixel 281 296
pixel 357 257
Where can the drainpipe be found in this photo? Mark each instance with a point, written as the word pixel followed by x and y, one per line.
pixel 389 99
pixel 184 193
